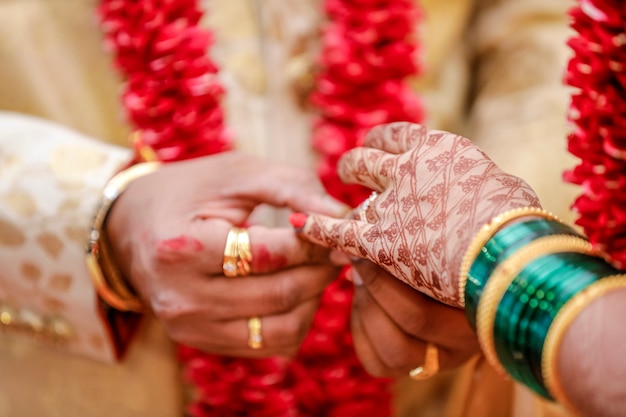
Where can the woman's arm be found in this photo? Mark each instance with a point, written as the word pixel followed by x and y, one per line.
pixel 591 365
pixel 546 307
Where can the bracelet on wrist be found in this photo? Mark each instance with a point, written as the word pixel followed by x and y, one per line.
pixel 503 276
pixel 105 275
pixel 529 306
pixel 486 232
pixel 498 248
pixel 529 295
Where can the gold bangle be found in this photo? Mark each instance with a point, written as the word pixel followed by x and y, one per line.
pixel 104 274
pixel 561 323
pixel 486 232
pixel 503 277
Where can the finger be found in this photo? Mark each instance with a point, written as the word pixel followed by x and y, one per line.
pixel 352 237
pixel 369 167
pixel 396 351
pixel 364 349
pixel 282 334
pixel 197 246
pixel 202 247
pixel 285 186
pixel 261 295
pixel 415 313
pixel 274 249
pixel 396 138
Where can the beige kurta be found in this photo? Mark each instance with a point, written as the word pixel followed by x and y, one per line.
pixel 53 67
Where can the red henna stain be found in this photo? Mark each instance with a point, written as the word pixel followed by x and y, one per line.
pixel 263 261
pixel 178 248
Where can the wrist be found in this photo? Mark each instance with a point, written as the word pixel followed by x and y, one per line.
pixel 105 272
pixel 527 284
pixel 485 234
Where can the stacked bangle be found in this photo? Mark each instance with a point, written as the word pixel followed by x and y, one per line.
pixel 527 310
pixel 524 287
pixel 500 247
pixel 108 281
pixel 503 276
pixel 486 232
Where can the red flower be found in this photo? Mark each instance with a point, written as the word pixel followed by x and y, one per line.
pixel 368 53
pixel 172 97
pixel 598 70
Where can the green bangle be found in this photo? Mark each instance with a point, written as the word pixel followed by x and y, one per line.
pixel 500 247
pixel 486 232
pixel 529 305
pixel 504 275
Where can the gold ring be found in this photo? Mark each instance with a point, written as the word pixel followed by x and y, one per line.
pixel 244 252
pixel 365 205
pixel 237 253
pixel 255 339
pixel 430 366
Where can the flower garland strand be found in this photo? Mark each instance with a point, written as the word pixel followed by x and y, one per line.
pixel 172 98
pixel 367 55
pixel 598 112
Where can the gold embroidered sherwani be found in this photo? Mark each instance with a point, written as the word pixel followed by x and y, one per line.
pixel 492 72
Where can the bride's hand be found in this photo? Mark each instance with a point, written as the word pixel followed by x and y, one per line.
pixel 436 189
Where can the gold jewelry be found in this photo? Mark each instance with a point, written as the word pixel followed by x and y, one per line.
pixel 365 205
pixel 109 283
pixel 487 232
pixel 231 253
pixel 244 251
pixel 503 277
pixel 430 366
pixel 255 338
pixel 564 318
pixel 237 253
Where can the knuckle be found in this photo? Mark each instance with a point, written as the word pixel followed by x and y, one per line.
pixel 293 331
pixel 166 307
pixel 415 323
pixel 305 177
pixel 284 295
pixel 396 358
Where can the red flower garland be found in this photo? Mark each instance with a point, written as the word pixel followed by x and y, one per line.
pixel 598 111
pixel 172 97
pixel 366 58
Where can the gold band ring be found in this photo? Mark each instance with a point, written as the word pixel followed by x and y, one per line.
pixel 237 253
pixel 244 252
pixel 255 338
pixel 430 366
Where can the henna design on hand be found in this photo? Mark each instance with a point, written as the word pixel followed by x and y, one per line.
pixel 436 190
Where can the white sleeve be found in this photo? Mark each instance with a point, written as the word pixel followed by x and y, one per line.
pixel 50 181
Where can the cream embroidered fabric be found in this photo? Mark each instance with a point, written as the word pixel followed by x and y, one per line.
pixel 50 180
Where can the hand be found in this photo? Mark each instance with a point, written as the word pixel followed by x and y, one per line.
pixel 436 190
pixel 392 323
pixel 168 232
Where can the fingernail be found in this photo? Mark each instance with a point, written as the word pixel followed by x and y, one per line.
pixel 355 260
pixel 337 208
pixel 356 278
pixel 298 220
